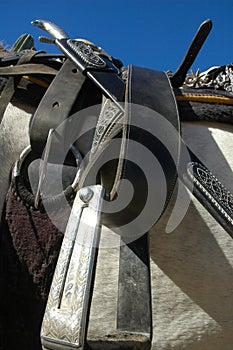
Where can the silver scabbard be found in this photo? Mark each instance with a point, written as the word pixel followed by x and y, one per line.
pixel 65 319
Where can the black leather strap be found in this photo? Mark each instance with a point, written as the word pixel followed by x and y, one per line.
pixel 210 192
pixel 203 31
pixel 56 104
pixel 134 299
pixel 158 99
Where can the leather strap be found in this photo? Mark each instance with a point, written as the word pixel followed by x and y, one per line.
pixel 210 192
pixel 153 108
pixel 12 83
pixel 38 58
pixel 203 31
pixel 56 105
pixel 27 69
pixel 134 313
pixel 134 299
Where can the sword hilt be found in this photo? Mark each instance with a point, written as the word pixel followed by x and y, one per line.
pixel 54 30
pixel 83 54
pixel 88 61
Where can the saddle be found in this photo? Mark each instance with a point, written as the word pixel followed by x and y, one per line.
pixel 117 131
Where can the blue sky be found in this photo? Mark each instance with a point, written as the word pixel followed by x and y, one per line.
pixel 153 34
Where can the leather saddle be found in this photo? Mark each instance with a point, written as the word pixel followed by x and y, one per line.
pixel 119 128
pixel 105 136
pixel 105 112
pixel 108 145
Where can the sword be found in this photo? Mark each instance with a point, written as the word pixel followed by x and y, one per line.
pixel 95 66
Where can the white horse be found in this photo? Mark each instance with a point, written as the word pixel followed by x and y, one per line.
pixel 191 267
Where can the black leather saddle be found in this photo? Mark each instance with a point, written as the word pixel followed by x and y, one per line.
pixel 118 127
pixel 108 110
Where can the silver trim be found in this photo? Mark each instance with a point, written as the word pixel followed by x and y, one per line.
pixel 65 319
pixel 54 30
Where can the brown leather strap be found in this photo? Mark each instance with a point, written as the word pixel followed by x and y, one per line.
pixel 12 83
pixel 7 95
pixel 27 69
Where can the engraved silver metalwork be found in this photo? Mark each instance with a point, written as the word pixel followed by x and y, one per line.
pixel 196 80
pixel 212 189
pixel 109 116
pixel 83 55
pixel 215 78
pixel 65 319
pixel 86 53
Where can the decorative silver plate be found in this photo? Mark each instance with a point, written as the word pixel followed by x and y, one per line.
pixel 86 53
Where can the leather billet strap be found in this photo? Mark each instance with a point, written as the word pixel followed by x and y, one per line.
pixel 12 83
pixel 202 33
pixel 144 110
pixel 148 113
pixel 25 63
pixel 27 69
pixel 40 57
pixel 56 104
pixel 151 121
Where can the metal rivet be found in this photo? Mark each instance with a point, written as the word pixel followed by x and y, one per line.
pixel 85 194
pixel 55 104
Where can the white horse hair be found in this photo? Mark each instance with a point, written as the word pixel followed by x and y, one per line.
pixel 191 267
